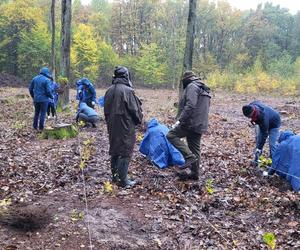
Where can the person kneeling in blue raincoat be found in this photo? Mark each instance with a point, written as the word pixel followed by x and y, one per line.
pixel 157 148
pixel 286 159
pixel 87 115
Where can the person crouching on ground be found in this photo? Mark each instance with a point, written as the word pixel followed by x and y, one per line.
pixel 192 123
pixel 122 110
pixel 40 91
pixel 268 123
pixel 87 115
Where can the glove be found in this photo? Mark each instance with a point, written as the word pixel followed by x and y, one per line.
pixel 257 154
pixel 93 103
pixel 176 124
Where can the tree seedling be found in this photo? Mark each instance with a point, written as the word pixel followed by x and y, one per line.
pixel 270 240
pixel 75 216
pixel 264 162
pixel 209 186
pixel 107 187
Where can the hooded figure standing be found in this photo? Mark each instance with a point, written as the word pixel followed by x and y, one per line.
pixel 40 91
pixel 122 110
pixel 192 122
pixel 268 121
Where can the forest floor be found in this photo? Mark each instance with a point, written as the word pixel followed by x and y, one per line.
pixel 231 207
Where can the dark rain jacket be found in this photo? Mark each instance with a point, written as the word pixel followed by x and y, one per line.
pixel 40 86
pixel 267 119
pixel 122 110
pixel 194 106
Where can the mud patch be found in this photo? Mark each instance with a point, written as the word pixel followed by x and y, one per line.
pixel 25 218
pixel 112 226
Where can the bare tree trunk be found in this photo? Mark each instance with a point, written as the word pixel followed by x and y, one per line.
pixel 66 13
pixel 190 37
pixel 53 39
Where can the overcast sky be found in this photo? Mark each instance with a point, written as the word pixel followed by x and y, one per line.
pixel 292 5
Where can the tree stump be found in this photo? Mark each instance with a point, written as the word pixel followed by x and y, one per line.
pixel 60 131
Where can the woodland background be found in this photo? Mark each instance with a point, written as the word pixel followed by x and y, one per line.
pixel 246 51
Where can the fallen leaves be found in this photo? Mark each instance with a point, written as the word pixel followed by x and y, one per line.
pixel 238 203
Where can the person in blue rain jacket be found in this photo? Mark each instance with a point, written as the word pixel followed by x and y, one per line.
pixel 40 91
pixel 86 92
pixel 52 105
pixel 87 114
pixel 286 159
pixel 157 148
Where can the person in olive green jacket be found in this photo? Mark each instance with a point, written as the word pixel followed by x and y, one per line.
pixel 192 123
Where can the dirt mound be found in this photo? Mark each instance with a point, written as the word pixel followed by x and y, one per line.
pixel 7 80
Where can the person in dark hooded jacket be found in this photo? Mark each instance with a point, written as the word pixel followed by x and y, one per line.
pixel 122 110
pixel 40 91
pixel 192 123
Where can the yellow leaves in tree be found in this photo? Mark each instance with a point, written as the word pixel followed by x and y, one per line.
pixel 85 52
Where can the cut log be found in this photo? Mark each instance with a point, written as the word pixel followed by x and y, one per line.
pixel 60 131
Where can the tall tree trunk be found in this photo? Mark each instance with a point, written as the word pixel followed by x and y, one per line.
pixel 66 13
pixel 190 37
pixel 53 39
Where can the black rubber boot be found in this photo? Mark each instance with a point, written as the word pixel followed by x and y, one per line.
pixel 195 170
pixel 193 175
pixel 114 169
pixel 122 165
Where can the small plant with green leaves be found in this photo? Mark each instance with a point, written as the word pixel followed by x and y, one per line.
pixel 19 125
pixel 75 215
pixel 270 240
pixel 264 162
pixel 85 153
pixel 107 187
pixel 209 186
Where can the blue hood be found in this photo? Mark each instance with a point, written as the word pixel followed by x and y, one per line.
pixel 46 72
pixel 152 123
pixel 85 81
pixel 285 135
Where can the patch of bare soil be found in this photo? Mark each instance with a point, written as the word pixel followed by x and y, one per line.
pixel 44 178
